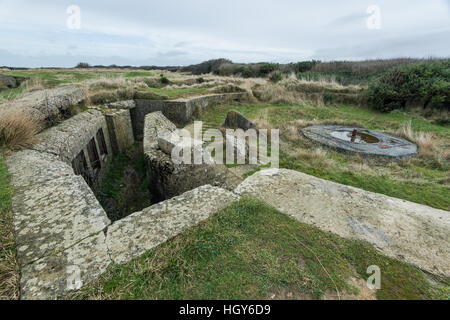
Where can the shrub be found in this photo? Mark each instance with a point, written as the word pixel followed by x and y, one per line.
pixel 83 65
pixel 267 68
pixel 276 76
pixel 426 84
pixel 164 80
pixel 17 128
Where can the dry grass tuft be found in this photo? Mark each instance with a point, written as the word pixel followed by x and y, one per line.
pixel 33 85
pixel 17 128
pixel 276 94
pixel 425 140
pixel 316 157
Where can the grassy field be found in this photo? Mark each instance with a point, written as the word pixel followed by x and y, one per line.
pixel 251 251
pixel 48 78
pixel 424 179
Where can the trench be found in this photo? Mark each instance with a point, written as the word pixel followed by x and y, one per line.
pixel 125 187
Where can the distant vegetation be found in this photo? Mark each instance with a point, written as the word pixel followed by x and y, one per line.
pixel 425 84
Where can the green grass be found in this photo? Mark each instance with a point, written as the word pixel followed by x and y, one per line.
pixel 51 78
pixel 5 190
pixel 8 266
pixel 279 114
pixel 419 180
pixel 428 193
pixel 251 251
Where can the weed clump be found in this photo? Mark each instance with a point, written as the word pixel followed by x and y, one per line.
pixel 17 128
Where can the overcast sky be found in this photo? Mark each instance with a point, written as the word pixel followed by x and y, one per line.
pixel 37 33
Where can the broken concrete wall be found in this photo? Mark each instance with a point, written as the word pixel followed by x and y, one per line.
pixel 168 179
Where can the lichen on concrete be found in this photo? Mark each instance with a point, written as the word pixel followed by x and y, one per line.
pixel 54 216
pixel 55 276
pixel 120 129
pixel 29 167
pixel 67 139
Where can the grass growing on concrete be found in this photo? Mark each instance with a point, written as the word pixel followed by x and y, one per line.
pixel 178 93
pixel 9 272
pixel 424 179
pixel 251 251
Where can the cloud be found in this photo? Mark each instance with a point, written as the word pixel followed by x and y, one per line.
pixel 184 32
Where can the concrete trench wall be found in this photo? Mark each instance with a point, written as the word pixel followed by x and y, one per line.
pixel 73 137
pixel 180 112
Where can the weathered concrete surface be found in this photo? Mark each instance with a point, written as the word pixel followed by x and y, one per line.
pixel 167 178
pixel 167 144
pixel 29 167
pixel 127 104
pixel 414 233
pixel 156 125
pixel 67 139
pixel 50 104
pixel 235 120
pixel 55 276
pixel 120 129
pixel 53 216
pixel 387 146
pixel 142 231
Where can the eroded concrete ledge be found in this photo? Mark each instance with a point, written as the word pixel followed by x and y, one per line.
pixel 414 233
pixel 134 235
pixel 54 276
pixel 54 216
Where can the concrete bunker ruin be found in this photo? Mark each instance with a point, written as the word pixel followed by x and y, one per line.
pixel 64 238
pixel 61 226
